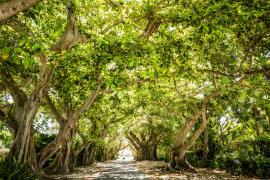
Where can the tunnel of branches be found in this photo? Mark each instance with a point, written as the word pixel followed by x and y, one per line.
pixel 186 82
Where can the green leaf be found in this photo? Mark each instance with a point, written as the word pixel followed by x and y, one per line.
pixel 225 80
pixel 219 33
pixel 5 50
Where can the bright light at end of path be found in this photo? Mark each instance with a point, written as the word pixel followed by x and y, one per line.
pixel 125 155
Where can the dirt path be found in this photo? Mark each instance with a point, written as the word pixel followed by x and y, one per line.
pixel 106 170
pixel 121 170
pixel 143 170
pixel 157 170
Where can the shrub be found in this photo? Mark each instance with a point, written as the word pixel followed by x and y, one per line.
pixel 12 169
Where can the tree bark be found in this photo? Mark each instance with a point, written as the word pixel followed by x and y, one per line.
pixel 89 156
pixel 145 148
pixel 177 155
pixel 65 128
pixel 180 147
pixel 27 107
pixel 205 146
pixel 65 160
pixel 13 7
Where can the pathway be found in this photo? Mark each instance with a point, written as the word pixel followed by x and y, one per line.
pixel 121 170
pixel 118 169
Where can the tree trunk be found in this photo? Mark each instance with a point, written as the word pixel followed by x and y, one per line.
pixel 64 138
pixel 178 160
pixel 26 107
pixel 23 145
pixel 65 126
pixel 89 156
pixel 85 160
pixel 180 147
pixel 145 148
pixel 205 146
pixel 65 160
pixel 26 153
pixel 176 157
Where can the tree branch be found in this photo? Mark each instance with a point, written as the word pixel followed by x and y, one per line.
pixel 71 34
pixel 136 146
pixel 90 99
pixel 53 109
pixel 104 31
pixel 219 73
pixel 246 73
pixel 13 7
pixel 81 135
pixel 11 85
pixel 135 138
pixel 152 26
pixel 252 49
pixel 82 147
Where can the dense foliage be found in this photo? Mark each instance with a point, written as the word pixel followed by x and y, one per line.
pixel 177 80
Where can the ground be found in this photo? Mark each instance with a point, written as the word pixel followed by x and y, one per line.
pixel 157 170
pixel 127 169
pixel 118 169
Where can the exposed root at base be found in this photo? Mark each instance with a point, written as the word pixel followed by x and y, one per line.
pixel 183 166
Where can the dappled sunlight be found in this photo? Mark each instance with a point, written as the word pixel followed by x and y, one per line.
pixel 158 170
pixel 118 169
pixel 134 89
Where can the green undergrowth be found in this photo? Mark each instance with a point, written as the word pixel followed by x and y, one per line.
pixel 12 169
pixel 252 158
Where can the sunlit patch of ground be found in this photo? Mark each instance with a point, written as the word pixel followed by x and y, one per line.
pixel 157 170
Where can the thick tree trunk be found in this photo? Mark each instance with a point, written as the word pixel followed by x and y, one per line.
pixel 89 156
pixel 176 157
pixel 85 159
pixel 145 148
pixel 180 146
pixel 23 145
pixel 25 110
pixel 27 107
pixel 64 130
pixel 26 153
pixel 51 149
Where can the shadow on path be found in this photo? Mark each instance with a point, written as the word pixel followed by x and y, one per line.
pixel 121 170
